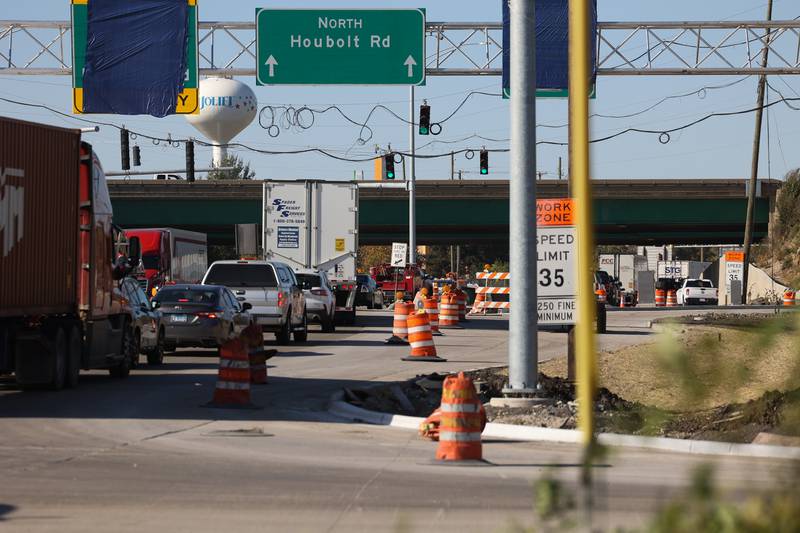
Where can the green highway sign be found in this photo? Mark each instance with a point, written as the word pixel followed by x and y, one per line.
pixel 340 46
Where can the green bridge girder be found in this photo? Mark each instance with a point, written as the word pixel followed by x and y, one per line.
pixel 457 213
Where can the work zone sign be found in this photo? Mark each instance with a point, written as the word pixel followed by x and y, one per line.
pixel 555 261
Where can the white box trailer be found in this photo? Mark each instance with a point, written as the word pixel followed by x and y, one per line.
pixel 314 224
pixel 681 269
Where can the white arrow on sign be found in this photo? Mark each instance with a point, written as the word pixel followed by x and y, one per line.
pixel 410 63
pixel 271 62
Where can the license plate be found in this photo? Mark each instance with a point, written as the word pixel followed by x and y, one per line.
pixel 179 318
pixel 702 300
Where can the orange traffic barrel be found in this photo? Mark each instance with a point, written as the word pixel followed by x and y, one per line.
pixel 400 324
pixel 421 339
pixel 477 304
pixel 672 298
pixel 448 311
pixel 254 340
pixel 461 299
pixel 661 297
pixel 432 309
pixel 601 295
pixel 788 297
pixel 462 421
pixel 233 380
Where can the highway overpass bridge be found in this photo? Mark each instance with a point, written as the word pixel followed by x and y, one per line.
pixel 630 211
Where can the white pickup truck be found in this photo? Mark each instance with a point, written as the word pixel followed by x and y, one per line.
pixel 697 291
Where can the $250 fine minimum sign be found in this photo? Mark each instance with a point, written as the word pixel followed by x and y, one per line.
pixel 555 253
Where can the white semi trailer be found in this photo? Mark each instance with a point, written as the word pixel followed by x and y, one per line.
pixel 314 224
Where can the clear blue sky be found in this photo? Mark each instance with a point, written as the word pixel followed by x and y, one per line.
pixel 718 148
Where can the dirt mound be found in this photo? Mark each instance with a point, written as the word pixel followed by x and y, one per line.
pixel 774 412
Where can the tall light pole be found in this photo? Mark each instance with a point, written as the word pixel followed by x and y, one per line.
pixel 522 342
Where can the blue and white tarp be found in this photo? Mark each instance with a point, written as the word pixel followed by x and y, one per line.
pixel 135 56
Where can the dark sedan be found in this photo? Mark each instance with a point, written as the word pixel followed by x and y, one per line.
pixel 200 315
pixel 368 293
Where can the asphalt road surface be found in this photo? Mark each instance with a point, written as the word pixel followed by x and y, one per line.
pixel 145 454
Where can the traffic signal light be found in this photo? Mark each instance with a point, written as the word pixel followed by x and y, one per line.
pixel 424 119
pixel 137 156
pixel 388 165
pixel 190 161
pixel 484 162
pixel 124 149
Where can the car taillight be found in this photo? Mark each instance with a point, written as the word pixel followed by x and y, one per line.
pixel 280 298
pixel 318 292
pixel 206 315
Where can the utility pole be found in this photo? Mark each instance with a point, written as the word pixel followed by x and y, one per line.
pixel 560 175
pixel 523 357
pixel 751 193
pixel 412 193
pixel 452 166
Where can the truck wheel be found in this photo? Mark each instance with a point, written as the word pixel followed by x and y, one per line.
pixel 328 324
pixel 73 358
pixel 156 356
pixel 60 350
pixel 283 336
pixel 137 348
pixel 601 318
pixel 301 335
pixel 123 368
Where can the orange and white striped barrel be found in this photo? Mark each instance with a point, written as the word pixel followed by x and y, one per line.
pixel 432 309
pixel 254 339
pixel 233 380
pixel 477 304
pixel 461 300
pixel 672 299
pixel 661 297
pixel 448 311
pixel 788 298
pixel 420 338
pixel 399 325
pixel 462 421
pixel 600 294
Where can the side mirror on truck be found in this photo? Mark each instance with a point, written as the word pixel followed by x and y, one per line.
pixel 134 251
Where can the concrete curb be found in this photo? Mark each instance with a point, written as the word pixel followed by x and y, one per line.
pixel 342 409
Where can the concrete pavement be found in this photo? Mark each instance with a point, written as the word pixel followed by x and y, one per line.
pixel 143 454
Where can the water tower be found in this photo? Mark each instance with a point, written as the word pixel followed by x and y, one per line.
pixel 227 107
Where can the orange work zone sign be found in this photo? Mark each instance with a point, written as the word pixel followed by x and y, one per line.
pixel 555 212
pixel 734 257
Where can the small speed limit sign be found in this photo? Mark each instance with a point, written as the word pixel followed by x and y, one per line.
pixel 555 264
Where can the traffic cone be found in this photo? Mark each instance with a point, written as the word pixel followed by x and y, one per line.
pixel 462 421
pixel 400 323
pixel 233 380
pixel 254 339
pixel 421 339
pixel 432 309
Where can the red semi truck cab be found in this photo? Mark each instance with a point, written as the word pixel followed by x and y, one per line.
pixel 391 279
pixel 170 255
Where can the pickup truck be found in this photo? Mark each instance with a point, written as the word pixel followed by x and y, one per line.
pixel 697 291
pixel 271 288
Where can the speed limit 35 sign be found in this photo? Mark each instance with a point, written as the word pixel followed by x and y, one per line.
pixel 555 253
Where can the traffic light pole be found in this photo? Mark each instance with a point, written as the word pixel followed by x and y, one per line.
pixel 412 193
pixel 523 356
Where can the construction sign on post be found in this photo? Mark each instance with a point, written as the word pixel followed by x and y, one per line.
pixel 734 268
pixel 399 254
pixel 556 251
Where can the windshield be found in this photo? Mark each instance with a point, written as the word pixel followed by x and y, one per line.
pixel 308 280
pixel 150 262
pixel 187 296
pixel 699 283
pixel 604 277
pixel 241 275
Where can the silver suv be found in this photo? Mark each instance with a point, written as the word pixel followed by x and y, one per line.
pixel 279 305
